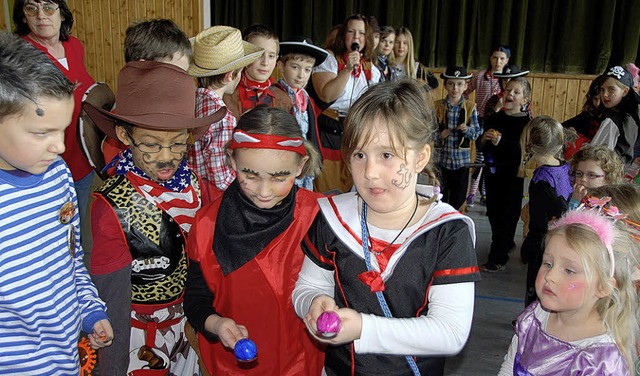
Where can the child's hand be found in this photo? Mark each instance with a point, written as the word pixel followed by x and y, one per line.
pixel 351 321
pixel 102 335
pixel 462 128
pixel 445 134
pixel 226 329
pixel 491 135
pixel 579 191
pixel 319 304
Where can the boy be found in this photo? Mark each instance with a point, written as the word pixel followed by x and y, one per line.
pixel 298 57
pixel 219 54
pixel 141 216
pixel 255 86
pixel 458 126
pixel 47 295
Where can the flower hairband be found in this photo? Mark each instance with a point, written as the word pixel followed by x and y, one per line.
pixel 242 139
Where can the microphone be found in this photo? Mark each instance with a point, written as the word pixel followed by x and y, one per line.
pixel 355 47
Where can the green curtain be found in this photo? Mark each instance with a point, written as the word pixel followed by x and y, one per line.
pixel 564 36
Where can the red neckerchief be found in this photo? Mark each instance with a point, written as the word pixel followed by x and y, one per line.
pixel 356 72
pixel 301 100
pixel 253 93
pixel 372 278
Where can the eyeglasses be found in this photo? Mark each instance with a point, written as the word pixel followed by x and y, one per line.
pixel 32 10
pixel 589 175
pixel 177 148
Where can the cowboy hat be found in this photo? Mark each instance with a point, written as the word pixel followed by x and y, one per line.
pixel 511 71
pixel 90 137
pixel 458 72
pixel 156 96
pixel 303 46
pixel 220 49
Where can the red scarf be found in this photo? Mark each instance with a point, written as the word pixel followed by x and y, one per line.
pixel 253 93
pixel 356 72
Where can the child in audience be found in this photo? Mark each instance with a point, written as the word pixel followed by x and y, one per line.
pixel 586 321
pixel 458 127
pixel 298 57
pixel 405 64
pixel 619 128
pixel 542 140
pixel 385 53
pixel 502 152
pixel 390 236
pixel 245 253
pixel 47 295
pixel 219 54
pixel 142 215
pixel 159 40
pixel 591 167
pixel 495 103
pixel 256 84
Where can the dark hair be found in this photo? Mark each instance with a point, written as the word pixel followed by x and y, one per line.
pixel 499 48
pixel 27 75
pixel 216 81
pixel 272 120
pixel 22 28
pixel 259 30
pixel 155 39
pixel 594 90
pixel 338 48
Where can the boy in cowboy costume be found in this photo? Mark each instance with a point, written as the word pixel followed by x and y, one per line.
pixel 219 54
pixel 457 126
pixel 142 215
pixel 298 57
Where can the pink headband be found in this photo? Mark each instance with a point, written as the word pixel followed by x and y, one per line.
pixel 241 139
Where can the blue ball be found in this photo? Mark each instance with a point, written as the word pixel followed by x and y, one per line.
pixel 245 350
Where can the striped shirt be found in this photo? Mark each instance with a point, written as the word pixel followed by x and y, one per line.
pixel 485 88
pixel 46 295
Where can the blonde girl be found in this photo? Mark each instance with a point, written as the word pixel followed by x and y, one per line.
pixel 405 63
pixel 587 315
pixel 391 235
pixel 542 141
pixel 591 167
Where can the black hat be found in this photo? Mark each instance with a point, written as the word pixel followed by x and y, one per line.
pixel 456 72
pixel 511 71
pixel 305 46
pixel 625 78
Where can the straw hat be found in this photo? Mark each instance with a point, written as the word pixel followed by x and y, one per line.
pixel 156 96
pixel 220 49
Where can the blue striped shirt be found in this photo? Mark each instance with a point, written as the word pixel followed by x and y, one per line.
pixel 46 295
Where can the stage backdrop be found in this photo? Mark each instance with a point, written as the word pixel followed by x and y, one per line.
pixel 562 36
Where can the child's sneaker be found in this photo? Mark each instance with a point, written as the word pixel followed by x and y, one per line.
pixel 470 200
pixel 492 267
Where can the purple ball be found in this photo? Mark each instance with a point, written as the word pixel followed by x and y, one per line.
pixel 245 350
pixel 328 324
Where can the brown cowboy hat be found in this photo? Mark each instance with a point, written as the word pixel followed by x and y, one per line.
pixel 154 95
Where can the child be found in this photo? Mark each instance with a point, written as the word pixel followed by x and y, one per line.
pixel 246 255
pixel 141 216
pixel 458 127
pixel 47 295
pixel 619 129
pixel 391 235
pixel 586 320
pixel 157 40
pixel 494 104
pixel 502 152
pixel 405 64
pixel 385 53
pixel 256 85
pixel 298 57
pixel 591 167
pixel 550 188
pixel 219 54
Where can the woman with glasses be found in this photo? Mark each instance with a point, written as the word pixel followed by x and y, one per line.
pixel 47 25
pixel 592 167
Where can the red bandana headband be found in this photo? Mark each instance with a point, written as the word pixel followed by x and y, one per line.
pixel 242 139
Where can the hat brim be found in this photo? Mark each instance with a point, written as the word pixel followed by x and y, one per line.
pixel 467 77
pixel 511 75
pixel 106 121
pixel 251 54
pixel 305 49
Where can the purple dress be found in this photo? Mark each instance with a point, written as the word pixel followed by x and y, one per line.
pixel 541 354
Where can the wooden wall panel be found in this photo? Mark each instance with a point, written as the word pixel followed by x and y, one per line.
pixel 101 26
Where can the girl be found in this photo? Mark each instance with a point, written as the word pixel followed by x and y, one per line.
pixel 395 263
pixel 245 251
pixel 550 188
pixel 405 64
pixel 619 129
pixel 385 53
pixel 586 321
pixel 501 148
pixel 591 167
